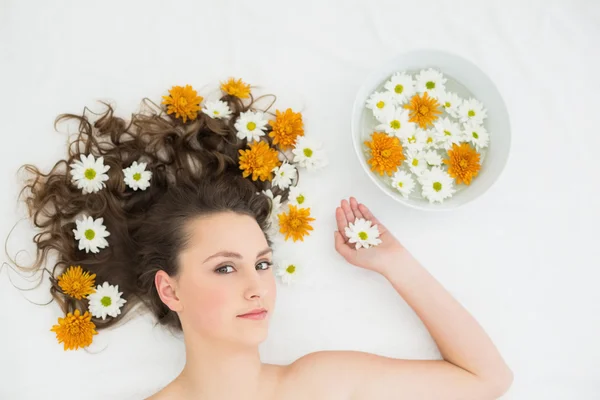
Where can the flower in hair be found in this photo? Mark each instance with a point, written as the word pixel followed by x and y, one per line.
pixel 106 301
pixel 308 154
pixel 295 223
pixel 76 283
pixel 286 271
pixel 284 175
pixel 91 234
pixel 287 126
pixel 75 330
pixel 251 126
pixel 259 161
pixel 236 87
pixel 89 173
pixel 298 197
pixel 216 109
pixel 136 176
pixel 184 102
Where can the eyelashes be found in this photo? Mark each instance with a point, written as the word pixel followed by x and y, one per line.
pixel 227 269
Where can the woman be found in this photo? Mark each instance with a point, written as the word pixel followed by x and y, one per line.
pixel 189 238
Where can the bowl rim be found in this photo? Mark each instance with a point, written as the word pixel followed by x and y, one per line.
pixel 358 109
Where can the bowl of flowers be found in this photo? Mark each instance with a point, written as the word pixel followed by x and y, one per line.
pixel 431 130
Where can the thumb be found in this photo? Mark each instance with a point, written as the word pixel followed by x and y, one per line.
pixel 340 246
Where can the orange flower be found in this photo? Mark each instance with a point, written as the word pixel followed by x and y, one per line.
pixel 76 283
pixel 286 128
pixel 296 223
pixel 463 163
pixel 259 161
pixel 423 110
pixel 237 88
pixel 184 102
pixel 75 330
pixel 386 153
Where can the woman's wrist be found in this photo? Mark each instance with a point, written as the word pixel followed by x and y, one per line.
pixel 399 263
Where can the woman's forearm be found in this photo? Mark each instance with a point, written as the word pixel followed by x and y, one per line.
pixel 460 339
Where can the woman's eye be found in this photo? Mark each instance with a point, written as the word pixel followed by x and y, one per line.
pixel 223 269
pixel 264 264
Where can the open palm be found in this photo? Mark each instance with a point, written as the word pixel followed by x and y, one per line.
pixel 373 258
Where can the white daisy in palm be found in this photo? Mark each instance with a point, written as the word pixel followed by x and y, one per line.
pixel 415 160
pixel 287 271
pixel 432 82
pixel 396 123
pixel 436 184
pixel 275 209
pixel 106 301
pixel 432 158
pixel 217 109
pixel 363 233
pixel 401 86
pixel 251 125
pixel 403 182
pixel 89 173
pixel 136 176
pixel 449 133
pixel 381 103
pixel 284 175
pixel 308 154
pixel 450 103
pixel 91 234
pixel 477 135
pixel 414 142
pixel 472 110
pixel 297 197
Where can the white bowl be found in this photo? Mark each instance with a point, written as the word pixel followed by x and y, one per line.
pixel 477 83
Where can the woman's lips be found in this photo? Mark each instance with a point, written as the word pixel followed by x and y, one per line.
pixel 255 316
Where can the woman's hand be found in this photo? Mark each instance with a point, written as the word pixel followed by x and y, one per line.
pixel 377 258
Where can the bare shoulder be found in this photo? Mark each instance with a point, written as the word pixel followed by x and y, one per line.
pixel 170 392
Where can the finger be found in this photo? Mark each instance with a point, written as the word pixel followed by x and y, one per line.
pixel 341 247
pixel 347 211
pixel 369 215
pixel 354 207
pixel 342 222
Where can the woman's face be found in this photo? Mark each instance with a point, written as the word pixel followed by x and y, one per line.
pixel 225 272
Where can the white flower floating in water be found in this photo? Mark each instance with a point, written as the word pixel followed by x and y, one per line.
pixel 89 173
pixel 106 301
pixel 251 125
pixel 287 271
pixel 136 176
pixel 443 136
pixel 91 234
pixel 217 109
pixel 363 233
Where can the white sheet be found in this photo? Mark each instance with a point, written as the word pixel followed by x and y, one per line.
pixel 524 258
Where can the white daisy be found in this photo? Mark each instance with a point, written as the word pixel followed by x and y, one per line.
pixel 472 110
pixel 396 123
pixel 401 86
pixel 286 271
pixel 91 234
pixel 431 139
pixel 363 233
pixel 449 132
pixel 416 141
pixel 432 82
pixel 251 125
pixel 308 154
pixel 89 174
pixel 275 209
pixel 106 301
pixel 216 109
pixel 415 160
pixel 136 176
pixel 284 175
pixel 437 185
pixel 297 197
pixel 433 158
pixel 450 103
pixel 403 182
pixel 477 135
pixel 381 103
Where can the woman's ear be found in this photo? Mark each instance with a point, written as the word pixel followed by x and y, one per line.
pixel 166 287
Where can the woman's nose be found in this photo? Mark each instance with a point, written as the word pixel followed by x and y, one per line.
pixel 255 287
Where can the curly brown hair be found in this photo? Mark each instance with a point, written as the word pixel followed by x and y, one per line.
pixel 195 172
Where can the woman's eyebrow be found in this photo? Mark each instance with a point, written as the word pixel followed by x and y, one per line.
pixel 236 255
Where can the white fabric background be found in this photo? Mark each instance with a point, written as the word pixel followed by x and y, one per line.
pixel 523 258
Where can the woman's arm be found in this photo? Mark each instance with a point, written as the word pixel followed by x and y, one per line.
pixel 472 367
